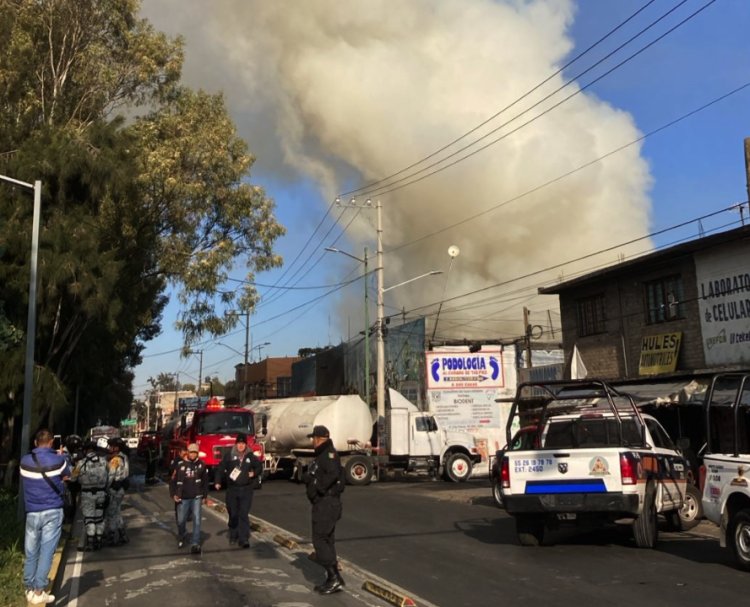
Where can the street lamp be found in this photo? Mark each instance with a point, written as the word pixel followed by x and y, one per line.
pixel 28 377
pixel 367 320
pixel 260 346
pixel 453 252
pixel 382 438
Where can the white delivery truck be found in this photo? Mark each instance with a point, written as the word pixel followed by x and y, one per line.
pixel 595 458
pixel 726 494
pixel 415 440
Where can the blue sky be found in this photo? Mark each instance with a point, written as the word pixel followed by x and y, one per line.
pixel 688 170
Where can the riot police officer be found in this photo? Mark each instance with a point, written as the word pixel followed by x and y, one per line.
pixel 119 472
pixel 325 483
pixel 92 475
pixel 74 453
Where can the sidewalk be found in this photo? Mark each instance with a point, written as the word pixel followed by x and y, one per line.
pixel 276 570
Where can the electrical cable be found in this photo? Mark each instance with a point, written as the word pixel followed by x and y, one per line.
pixel 359 190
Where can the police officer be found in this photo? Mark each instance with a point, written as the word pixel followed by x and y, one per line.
pixel 91 474
pixel 119 472
pixel 241 471
pixel 74 453
pixel 325 483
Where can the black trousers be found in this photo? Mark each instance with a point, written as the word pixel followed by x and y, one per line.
pixel 326 511
pixel 239 500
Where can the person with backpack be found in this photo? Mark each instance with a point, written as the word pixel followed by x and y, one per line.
pixel 92 474
pixel 325 482
pixel 43 472
pixel 119 473
pixel 241 471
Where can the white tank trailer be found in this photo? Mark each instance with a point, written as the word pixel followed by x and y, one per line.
pixel 416 443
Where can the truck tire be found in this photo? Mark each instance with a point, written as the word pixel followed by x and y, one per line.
pixel 645 526
pixel 530 530
pixel 458 467
pixel 358 469
pixel 738 538
pixel 497 493
pixel 691 512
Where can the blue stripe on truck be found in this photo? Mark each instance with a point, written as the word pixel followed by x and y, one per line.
pixel 594 485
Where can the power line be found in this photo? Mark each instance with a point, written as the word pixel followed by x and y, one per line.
pixel 393 187
pixel 361 189
pixel 579 168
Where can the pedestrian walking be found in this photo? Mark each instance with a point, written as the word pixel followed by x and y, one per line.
pixel 241 471
pixel 43 472
pixel 92 474
pixel 325 483
pixel 119 481
pixel 181 455
pixel 191 488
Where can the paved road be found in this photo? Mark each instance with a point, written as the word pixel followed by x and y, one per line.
pixel 151 571
pixel 451 545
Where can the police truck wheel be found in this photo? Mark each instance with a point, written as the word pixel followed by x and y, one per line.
pixel 645 526
pixel 691 512
pixel 738 538
pixel 497 494
pixel 458 467
pixel 358 470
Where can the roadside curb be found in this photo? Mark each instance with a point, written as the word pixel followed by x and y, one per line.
pixel 55 570
pixel 388 594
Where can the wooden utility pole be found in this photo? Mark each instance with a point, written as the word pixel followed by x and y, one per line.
pixel 527 334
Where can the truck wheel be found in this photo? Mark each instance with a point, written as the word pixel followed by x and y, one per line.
pixel 645 526
pixel 738 538
pixel 497 494
pixel 458 467
pixel 358 470
pixel 691 512
pixel 530 530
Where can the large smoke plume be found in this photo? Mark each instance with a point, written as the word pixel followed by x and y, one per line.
pixel 349 92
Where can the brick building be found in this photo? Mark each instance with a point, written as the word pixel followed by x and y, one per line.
pixel 681 311
pixel 269 378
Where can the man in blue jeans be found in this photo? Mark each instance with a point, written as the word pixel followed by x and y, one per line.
pixel 191 488
pixel 42 474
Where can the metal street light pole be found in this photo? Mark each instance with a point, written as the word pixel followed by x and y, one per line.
pixel 367 319
pixel 30 318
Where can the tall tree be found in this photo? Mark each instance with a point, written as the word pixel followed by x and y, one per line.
pixel 129 206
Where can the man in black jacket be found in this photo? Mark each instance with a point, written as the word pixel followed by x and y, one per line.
pixel 325 483
pixel 191 488
pixel 241 471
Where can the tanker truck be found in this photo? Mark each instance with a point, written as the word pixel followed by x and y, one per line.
pixel 416 443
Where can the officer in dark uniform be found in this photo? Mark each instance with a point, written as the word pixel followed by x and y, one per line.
pixel 325 483
pixel 241 471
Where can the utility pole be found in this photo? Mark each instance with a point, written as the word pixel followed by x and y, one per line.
pixel 367 339
pixel 243 400
pixel 527 334
pixel 382 442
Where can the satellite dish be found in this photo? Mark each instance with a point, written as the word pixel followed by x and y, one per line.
pixel 453 250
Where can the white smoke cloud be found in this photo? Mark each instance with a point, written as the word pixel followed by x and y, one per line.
pixel 352 92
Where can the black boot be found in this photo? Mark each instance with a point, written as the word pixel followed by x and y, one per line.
pixel 333 582
pixel 88 544
pixel 98 542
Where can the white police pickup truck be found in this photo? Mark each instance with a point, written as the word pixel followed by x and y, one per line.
pixel 598 460
pixel 726 492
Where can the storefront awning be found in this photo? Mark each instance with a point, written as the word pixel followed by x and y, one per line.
pixel 686 392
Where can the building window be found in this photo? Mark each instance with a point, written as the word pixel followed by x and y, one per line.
pixel 591 317
pixel 664 299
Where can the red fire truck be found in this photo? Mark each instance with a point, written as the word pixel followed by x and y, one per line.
pixel 214 428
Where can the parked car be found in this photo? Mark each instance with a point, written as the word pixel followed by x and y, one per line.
pixel 148 440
